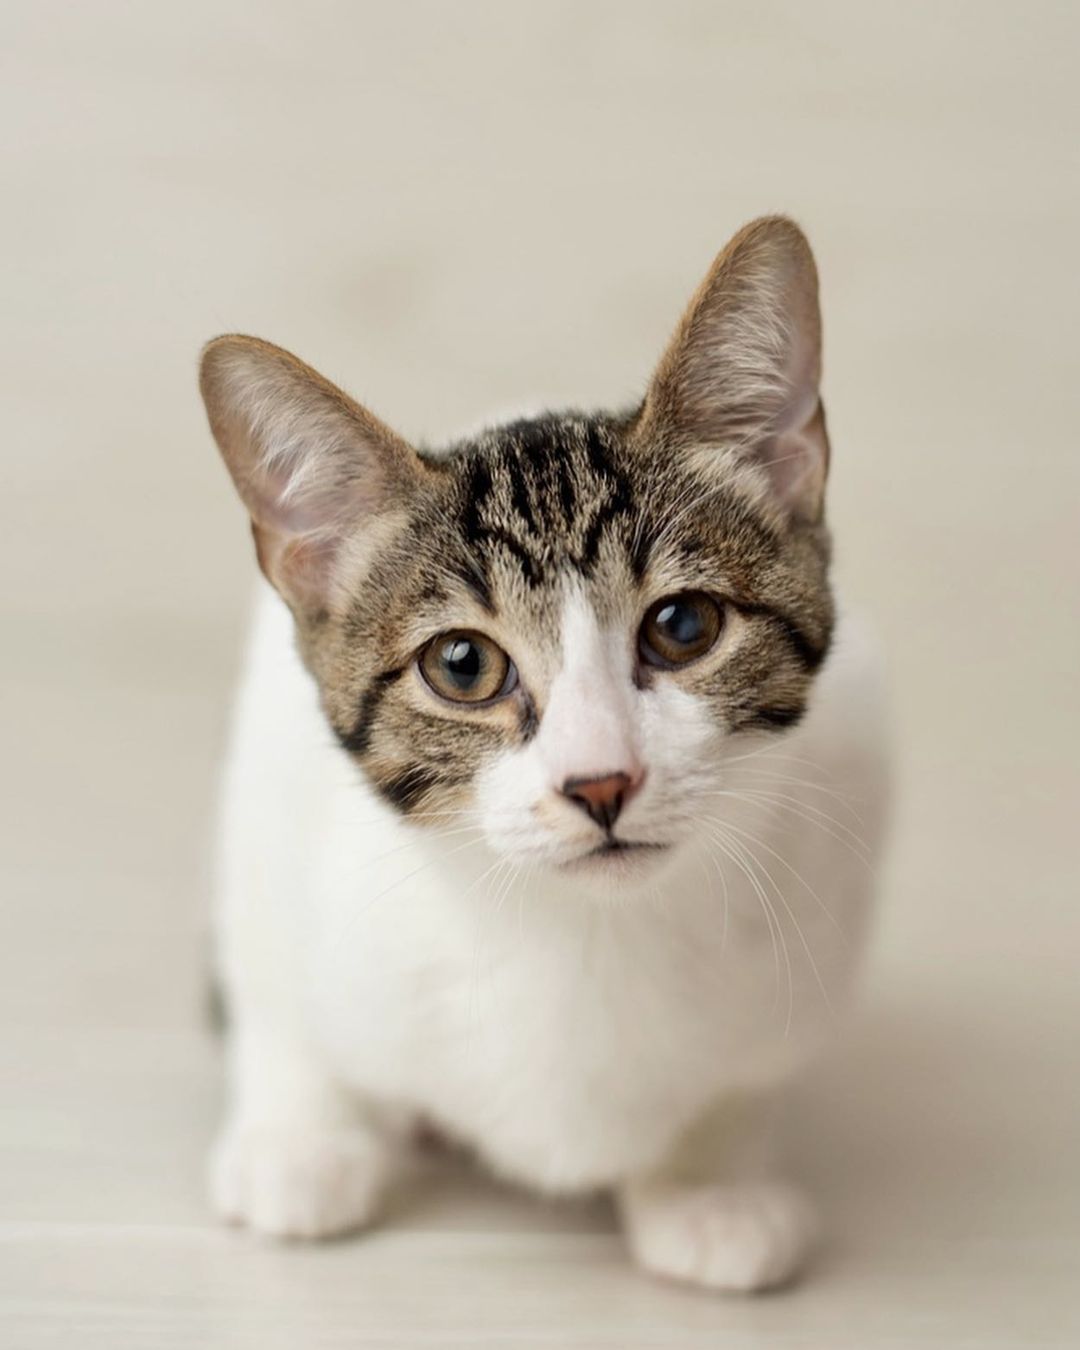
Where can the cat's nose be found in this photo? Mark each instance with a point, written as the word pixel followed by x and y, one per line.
pixel 602 798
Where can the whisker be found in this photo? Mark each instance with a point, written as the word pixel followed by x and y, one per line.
pixel 474 830
pixel 798 927
pixel 728 847
pixel 812 815
pixel 711 858
pixel 400 881
pixel 760 843
pixel 843 799
pixel 741 851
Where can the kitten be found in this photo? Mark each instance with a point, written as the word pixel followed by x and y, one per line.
pixel 537 811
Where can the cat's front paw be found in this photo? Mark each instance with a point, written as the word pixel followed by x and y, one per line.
pixel 288 1182
pixel 738 1238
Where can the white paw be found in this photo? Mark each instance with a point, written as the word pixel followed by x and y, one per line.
pixel 737 1237
pixel 296 1183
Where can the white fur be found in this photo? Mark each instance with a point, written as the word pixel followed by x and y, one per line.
pixel 577 1029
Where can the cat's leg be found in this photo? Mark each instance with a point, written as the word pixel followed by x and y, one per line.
pixel 296 1157
pixel 715 1214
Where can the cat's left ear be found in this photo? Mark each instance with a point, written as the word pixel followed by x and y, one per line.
pixel 742 371
pixel 316 470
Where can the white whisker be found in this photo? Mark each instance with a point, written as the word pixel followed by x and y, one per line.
pixel 798 927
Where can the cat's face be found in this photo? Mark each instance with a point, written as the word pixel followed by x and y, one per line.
pixel 558 630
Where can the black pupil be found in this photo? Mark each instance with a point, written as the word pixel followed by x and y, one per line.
pixel 462 662
pixel 680 623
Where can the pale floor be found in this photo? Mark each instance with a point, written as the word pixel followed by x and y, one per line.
pixel 450 208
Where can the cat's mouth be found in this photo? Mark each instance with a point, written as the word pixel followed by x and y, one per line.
pixel 615 851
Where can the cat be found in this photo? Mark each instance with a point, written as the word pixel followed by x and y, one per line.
pixel 538 814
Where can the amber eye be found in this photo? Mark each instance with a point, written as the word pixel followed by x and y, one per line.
pixel 679 629
pixel 467 668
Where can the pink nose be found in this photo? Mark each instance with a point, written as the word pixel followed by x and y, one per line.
pixel 602 798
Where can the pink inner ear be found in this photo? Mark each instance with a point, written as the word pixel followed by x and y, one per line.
pixel 310 464
pixel 301 510
pixel 742 371
pixel 305 496
pixel 299 566
pixel 797 460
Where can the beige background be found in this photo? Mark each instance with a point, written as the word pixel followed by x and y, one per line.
pixel 451 208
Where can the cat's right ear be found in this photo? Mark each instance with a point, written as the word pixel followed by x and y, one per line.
pixel 741 374
pixel 311 465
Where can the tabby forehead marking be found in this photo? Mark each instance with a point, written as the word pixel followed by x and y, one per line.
pixel 542 493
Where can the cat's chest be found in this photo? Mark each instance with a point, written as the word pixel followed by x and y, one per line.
pixel 582 1041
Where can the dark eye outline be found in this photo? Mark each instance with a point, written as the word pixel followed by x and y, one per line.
pixel 657 660
pixel 510 679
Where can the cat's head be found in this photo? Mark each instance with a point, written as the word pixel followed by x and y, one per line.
pixel 559 629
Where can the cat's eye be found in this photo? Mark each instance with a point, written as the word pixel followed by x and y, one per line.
pixel 467 667
pixel 679 629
